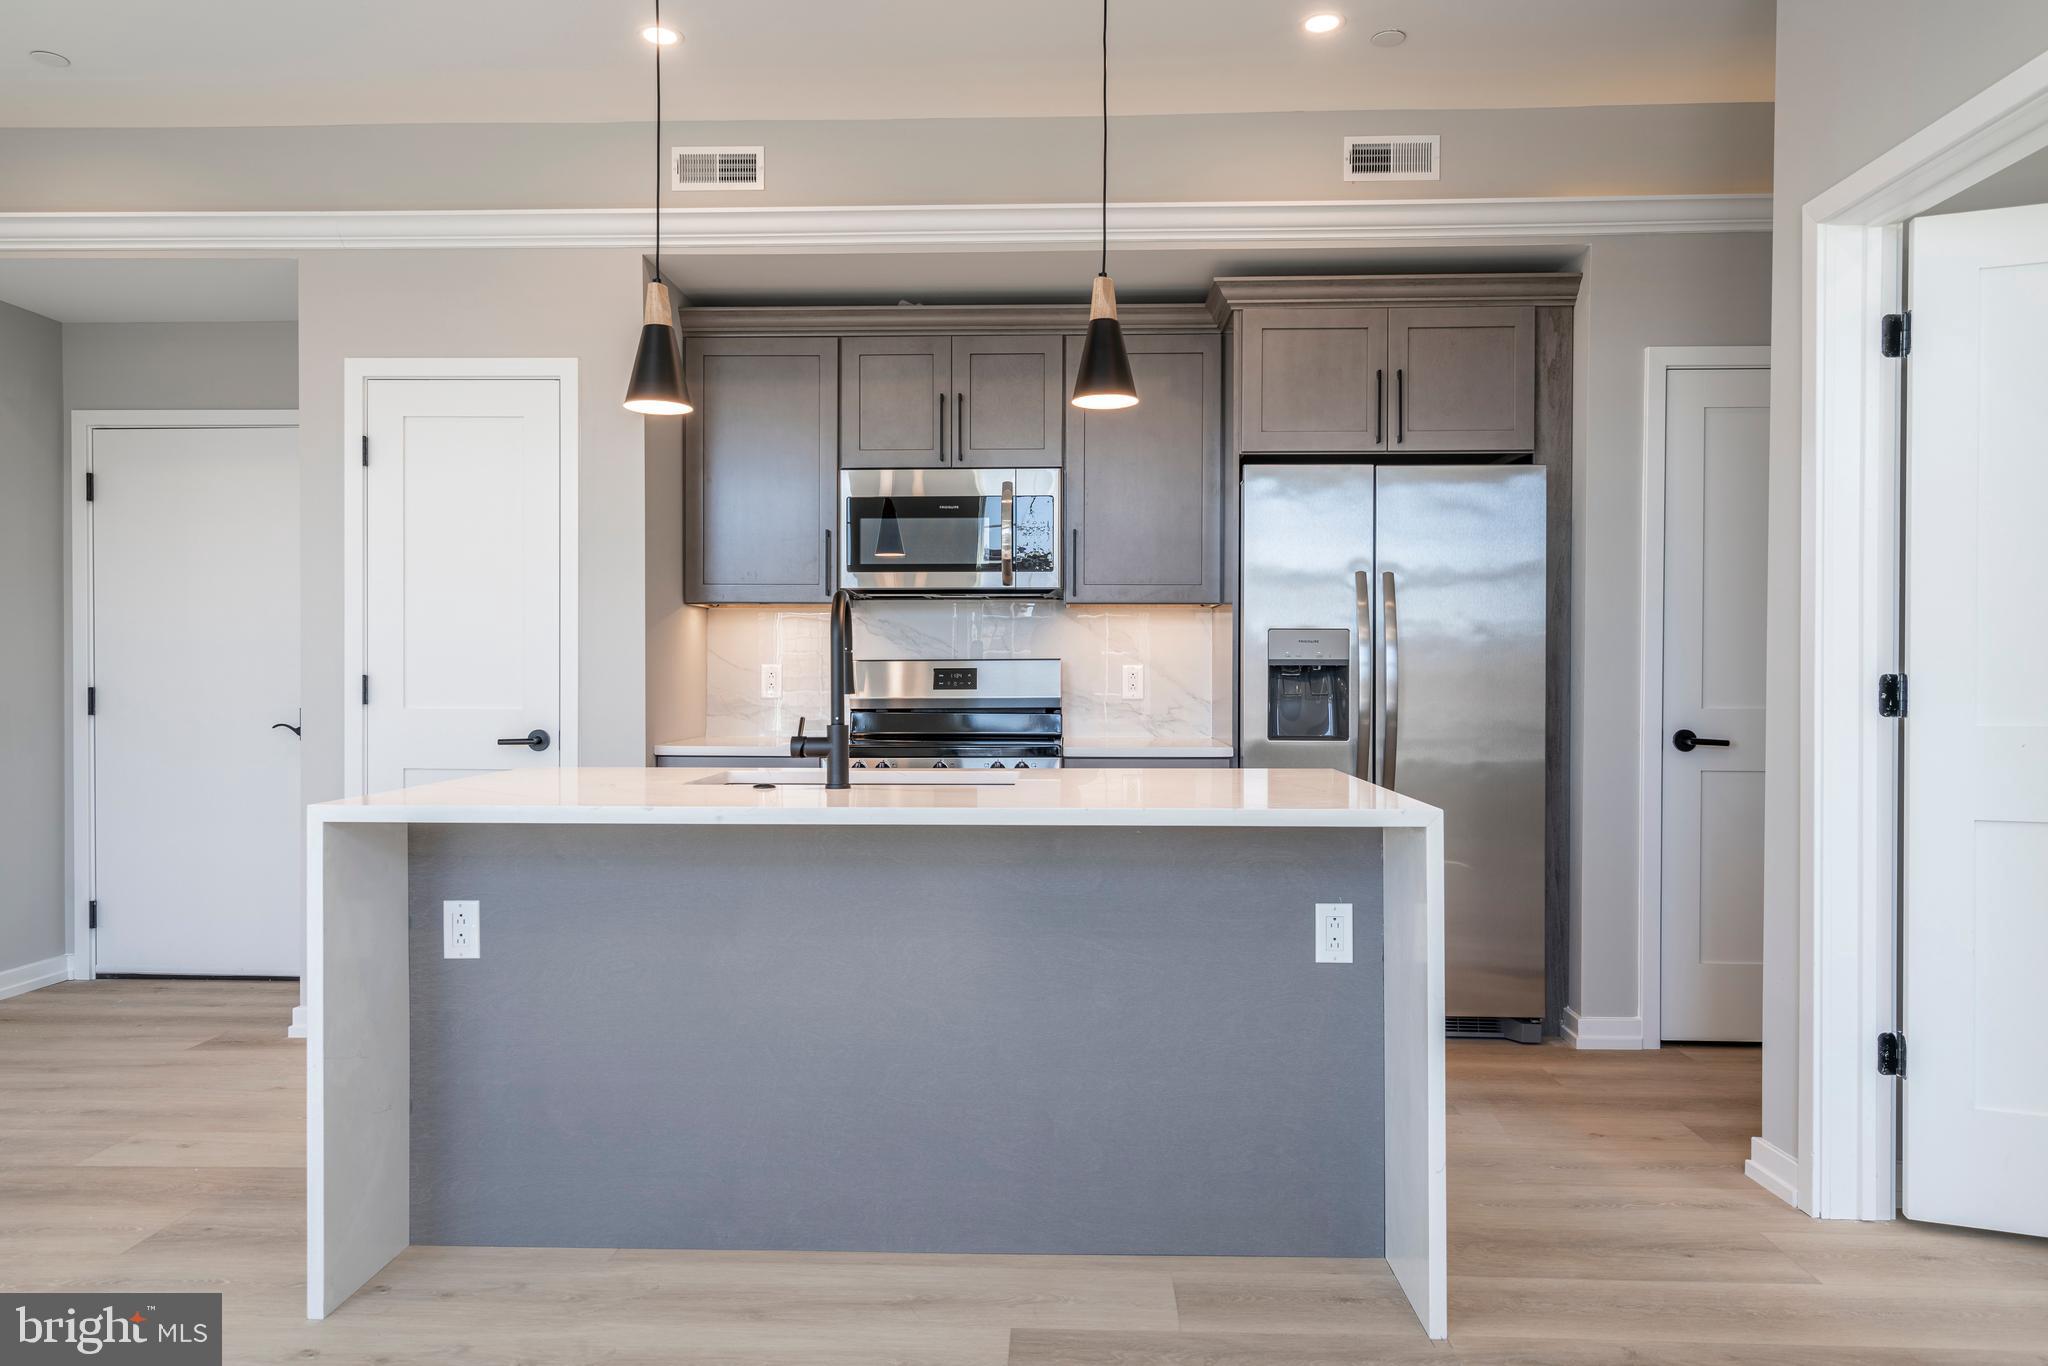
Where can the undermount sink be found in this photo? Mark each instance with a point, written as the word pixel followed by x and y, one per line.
pixel 867 777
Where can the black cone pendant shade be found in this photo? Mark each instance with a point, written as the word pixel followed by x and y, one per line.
pixel 1104 379
pixel 656 387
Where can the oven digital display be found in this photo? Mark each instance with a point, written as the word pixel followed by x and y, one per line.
pixel 960 680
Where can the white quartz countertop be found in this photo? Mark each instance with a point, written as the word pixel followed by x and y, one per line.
pixel 1053 797
pixel 1113 747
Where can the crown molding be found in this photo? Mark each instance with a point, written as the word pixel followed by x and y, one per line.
pixel 1552 288
pixel 881 228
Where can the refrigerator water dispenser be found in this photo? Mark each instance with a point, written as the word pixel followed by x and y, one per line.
pixel 1308 684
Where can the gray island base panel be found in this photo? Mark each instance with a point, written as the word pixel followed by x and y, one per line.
pixel 897 1040
pixel 1074 1012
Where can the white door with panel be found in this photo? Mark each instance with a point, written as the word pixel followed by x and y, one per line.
pixel 462 579
pixel 1974 1142
pixel 194 667
pixel 1716 476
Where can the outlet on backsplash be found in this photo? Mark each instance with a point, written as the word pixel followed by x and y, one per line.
pixel 1134 682
pixel 771 681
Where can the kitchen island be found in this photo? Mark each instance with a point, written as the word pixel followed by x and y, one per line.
pixel 1077 1012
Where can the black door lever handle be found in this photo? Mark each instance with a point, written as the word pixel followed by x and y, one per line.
pixel 286 725
pixel 534 740
pixel 1685 742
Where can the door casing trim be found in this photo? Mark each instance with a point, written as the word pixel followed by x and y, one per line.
pixel 1658 363
pixel 357 373
pixel 78 627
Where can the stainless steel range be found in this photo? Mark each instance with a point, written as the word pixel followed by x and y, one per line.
pixel 956 713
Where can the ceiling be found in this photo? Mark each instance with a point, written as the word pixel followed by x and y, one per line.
pixel 74 290
pixel 259 62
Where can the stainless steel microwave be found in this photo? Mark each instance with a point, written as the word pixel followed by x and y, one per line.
pixel 970 532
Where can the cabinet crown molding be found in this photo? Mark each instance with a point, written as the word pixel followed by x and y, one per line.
pixel 933 319
pixel 1233 292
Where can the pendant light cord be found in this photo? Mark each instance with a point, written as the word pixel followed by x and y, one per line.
pixel 1105 138
pixel 658 168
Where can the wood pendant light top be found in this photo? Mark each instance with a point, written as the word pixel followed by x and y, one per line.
pixel 658 309
pixel 1102 302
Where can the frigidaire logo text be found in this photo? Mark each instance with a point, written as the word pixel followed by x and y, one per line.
pixel 89 1333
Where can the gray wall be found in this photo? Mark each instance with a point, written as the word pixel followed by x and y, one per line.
pixel 1855 78
pixel 901 1039
pixel 181 365
pixel 1678 290
pixel 1647 149
pixel 32 765
pixel 580 304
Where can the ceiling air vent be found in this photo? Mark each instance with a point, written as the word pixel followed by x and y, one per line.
pixel 718 168
pixel 1391 157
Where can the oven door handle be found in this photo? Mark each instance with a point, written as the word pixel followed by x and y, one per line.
pixel 1009 533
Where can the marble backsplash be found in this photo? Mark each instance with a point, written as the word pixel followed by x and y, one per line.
pixel 1185 651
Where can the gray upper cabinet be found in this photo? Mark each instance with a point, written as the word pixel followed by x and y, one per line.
pixel 761 469
pixel 896 402
pixel 1464 379
pixel 1009 397
pixel 1314 379
pixel 1145 484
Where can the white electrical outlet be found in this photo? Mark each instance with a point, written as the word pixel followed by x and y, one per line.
pixel 1134 682
pixel 1333 932
pixel 462 929
pixel 771 680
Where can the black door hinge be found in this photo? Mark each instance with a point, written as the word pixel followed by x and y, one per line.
pixel 366 690
pixel 1891 1055
pixel 88 486
pixel 1895 335
pixel 1891 694
pixel 366 452
pixel 92 915
pixel 92 701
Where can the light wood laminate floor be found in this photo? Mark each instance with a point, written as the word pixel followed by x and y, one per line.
pixel 151 1137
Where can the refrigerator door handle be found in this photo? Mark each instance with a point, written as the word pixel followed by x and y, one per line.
pixel 1362 591
pixel 1390 647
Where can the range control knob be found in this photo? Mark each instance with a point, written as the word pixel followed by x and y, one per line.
pixel 860 763
pixel 997 764
pixel 881 763
pixel 938 763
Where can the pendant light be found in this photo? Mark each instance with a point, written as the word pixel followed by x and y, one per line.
pixel 1104 379
pixel 656 386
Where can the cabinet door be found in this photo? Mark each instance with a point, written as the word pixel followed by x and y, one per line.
pixel 762 472
pixel 1008 397
pixel 897 399
pixel 1145 484
pixel 1315 379
pixel 1464 379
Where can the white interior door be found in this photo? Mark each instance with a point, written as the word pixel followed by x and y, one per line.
pixel 1975 1094
pixel 462 638
pixel 1717 453
pixel 195 673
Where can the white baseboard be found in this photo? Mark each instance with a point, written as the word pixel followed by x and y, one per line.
pixel 1603 1031
pixel 1774 1169
pixel 297 1028
pixel 29 976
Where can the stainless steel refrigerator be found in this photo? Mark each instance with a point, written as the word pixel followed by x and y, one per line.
pixel 1391 625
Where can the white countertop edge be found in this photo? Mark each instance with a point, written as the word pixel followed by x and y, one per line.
pixel 1414 817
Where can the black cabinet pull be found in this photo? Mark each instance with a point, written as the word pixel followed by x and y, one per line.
pixel 831 569
pixel 960 428
pixel 1074 554
pixel 1400 405
pixel 534 740
pixel 942 427
pixel 1379 405
pixel 1685 742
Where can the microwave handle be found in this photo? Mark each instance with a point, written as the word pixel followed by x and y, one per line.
pixel 1009 533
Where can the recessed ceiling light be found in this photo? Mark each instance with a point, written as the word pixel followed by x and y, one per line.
pixel 659 36
pixel 1323 23
pixel 1389 37
pixel 49 58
